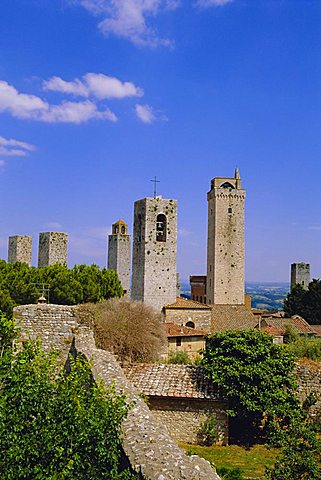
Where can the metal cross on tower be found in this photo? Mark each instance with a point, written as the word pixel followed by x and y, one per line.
pixel 155 181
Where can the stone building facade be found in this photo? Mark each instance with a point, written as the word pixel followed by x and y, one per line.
pixel 20 249
pixel 183 339
pixel 189 313
pixel 300 275
pixel 52 248
pixel 154 251
pixel 225 243
pixel 119 253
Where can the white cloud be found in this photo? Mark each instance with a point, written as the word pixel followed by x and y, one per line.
pixel 57 84
pixel 56 226
pixel 130 18
pixel 145 113
pixel 96 84
pixel 25 106
pixel 212 3
pixel 13 148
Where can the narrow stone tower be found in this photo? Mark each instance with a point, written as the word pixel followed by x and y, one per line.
pixel 225 241
pixel 52 248
pixel 154 251
pixel 119 253
pixel 20 249
pixel 300 274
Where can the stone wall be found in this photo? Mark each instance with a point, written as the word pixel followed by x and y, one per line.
pixel 119 258
pixel 176 413
pixel 52 248
pixel 309 381
pixel 225 244
pixel 154 261
pixel 20 249
pixel 202 318
pixel 147 445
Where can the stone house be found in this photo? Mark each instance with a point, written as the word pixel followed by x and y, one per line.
pixel 181 398
pixel 184 339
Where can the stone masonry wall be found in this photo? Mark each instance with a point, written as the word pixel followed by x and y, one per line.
pixel 52 248
pixel 20 249
pixel 176 413
pixel 147 445
pixel 309 381
pixel 119 258
pixel 201 318
pixel 154 262
pixel 225 254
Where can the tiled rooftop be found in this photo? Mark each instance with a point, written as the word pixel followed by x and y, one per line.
pixel 231 317
pixel 296 321
pixel 188 304
pixel 173 330
pixel 180 381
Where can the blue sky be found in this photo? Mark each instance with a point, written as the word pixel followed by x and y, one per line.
pixel 98 96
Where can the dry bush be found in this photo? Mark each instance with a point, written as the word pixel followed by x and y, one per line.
pixel 133 331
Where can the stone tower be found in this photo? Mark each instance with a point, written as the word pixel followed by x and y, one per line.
pixel 300 274
pixel 52 248
pixel 20 249
pixel 119 253
pixel 154 251
pixel 225 241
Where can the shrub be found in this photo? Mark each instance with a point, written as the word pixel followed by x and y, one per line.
pixel 230 473
pixel 179 357
pixel 209 431
pixel 306 347
pixel 133 331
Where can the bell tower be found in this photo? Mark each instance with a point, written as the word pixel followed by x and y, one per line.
pixel 119 253
pixel 225 241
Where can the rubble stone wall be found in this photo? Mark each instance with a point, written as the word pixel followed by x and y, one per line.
pixel 147 445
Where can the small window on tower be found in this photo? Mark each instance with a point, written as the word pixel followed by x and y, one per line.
pixel 229 210
pixel 161 227
pixel 123 230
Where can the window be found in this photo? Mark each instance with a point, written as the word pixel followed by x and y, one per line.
pixel 178 341
pixel 161 227
pixel 123 230
pixel 229 210
pixel 227 185
pixel 190 324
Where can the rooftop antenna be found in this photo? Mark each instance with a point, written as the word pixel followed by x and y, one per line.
pixel 43 290
pixel 155 181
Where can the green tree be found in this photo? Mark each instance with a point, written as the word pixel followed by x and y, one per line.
pixel 55 427
pixel 301 454
pixel 257 378
pixel 19 284
pixel 306 303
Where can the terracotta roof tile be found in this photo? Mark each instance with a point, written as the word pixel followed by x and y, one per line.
pixel 317 329
pixel 180 381
pixel 231 317
pixel 296 321
pixel 173 330
pixel 188 304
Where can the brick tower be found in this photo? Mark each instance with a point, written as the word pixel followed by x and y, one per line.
pixel 225 242
pixel 154 251
pixel 119 253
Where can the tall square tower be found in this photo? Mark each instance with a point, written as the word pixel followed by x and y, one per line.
pixel 119 253
pixel 20 249
pixel 225 241
pixel 154 251
pixel 52 248
pixel 300 275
